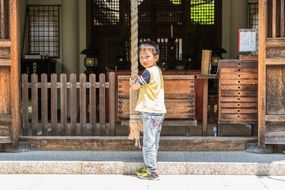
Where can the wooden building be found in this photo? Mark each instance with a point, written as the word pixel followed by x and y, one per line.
pixel 33 33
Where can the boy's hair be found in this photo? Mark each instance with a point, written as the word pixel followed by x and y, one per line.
pixel 149 45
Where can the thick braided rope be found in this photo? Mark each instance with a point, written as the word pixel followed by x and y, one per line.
pixel 134 38
pixel 134 52
pixel 135 122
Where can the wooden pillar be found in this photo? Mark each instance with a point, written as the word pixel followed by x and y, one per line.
pixel 261 71
pixel 9 72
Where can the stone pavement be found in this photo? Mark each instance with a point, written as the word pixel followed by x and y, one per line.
pixel 126 162
pixel 127 182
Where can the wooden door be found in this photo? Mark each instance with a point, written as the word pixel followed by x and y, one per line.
pixel 271 84
pixel 9 72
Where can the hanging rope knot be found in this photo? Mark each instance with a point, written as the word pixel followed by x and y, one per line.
pixel 136 128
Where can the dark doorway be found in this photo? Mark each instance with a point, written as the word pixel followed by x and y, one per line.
pixel 182 28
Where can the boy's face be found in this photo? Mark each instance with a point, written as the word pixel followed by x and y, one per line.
pixel 147 58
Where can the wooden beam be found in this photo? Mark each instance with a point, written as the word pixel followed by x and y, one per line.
pixel 275 118
pixel 273 42
pixel 5 43
pixel 275 61
pixel 5 62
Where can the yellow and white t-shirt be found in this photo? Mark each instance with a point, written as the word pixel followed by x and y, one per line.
pixel 151 93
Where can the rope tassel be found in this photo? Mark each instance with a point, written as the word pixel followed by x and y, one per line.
pixel 136 128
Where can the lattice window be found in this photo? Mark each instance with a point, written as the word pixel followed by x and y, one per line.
pixel 176 2
pixel 44 30
pixel 203 11
pixel 253 15
pixel 106 12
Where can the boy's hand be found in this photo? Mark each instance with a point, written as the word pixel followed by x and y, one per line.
pixel 134 83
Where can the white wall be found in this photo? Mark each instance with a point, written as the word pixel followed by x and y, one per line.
pixel 82 33
pixel 70 36
pixel 235 15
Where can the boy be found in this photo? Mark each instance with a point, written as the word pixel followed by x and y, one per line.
pixel 151 105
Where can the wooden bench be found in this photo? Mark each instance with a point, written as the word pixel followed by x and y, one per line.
pixel 179 100
pixel 237 93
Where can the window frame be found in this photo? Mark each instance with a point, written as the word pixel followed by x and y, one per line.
pixel 45 21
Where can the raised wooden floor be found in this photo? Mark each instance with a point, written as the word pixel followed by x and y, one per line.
pixel 121 143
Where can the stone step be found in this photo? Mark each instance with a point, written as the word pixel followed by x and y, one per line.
pixel 121 143
pixel 126 162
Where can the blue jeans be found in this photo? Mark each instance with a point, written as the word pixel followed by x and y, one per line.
pixel 152 123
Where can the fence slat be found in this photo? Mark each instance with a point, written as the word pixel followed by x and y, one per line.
pixel 82 104
pixel 102 105
pixel 73 104
pixel 63 104
pixel 54 104
pixel 92 103
pixel 112 103
pixel 35 113
pixel 44 105
pixel 25 115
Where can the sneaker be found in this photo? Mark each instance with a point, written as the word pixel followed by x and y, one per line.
pixel 150 176
pixel 142 171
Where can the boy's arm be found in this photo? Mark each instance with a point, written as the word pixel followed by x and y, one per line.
pixel 138 81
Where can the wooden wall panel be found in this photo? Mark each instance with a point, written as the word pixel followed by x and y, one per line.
pixel 4 90
pixel 275 90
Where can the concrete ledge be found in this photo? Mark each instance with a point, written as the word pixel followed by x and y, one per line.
pixel 164 168
pixel 126 162
pixel 167 143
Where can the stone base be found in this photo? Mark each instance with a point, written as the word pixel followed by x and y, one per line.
pixel 254 148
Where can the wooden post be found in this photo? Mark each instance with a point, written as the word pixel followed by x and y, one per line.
pixel 262 21
pixel 14 69
pixel 206 60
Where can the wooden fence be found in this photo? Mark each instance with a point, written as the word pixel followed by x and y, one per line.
pixel 62 108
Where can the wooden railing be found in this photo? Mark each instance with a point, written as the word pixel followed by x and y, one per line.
pixel 61 108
